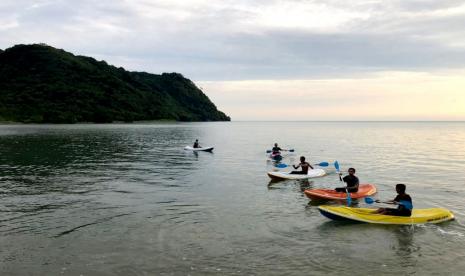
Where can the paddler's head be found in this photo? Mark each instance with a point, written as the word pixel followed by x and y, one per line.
pixel 351 171
pixel 275 144
pixel 400 188
pixel 302 159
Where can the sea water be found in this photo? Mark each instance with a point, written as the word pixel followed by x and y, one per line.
pixel 127 199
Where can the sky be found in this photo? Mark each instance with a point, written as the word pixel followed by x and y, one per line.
pixel 272 59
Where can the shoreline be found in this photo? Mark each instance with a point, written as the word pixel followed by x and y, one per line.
pixel 167 121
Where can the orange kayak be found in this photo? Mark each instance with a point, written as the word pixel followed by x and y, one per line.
pixel 363 191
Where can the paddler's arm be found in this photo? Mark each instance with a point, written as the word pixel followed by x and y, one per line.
pixel 310 166
pixel 296 167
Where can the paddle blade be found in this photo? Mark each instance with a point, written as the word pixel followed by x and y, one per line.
pixel 349 199
pixel 291 150
pixel 336 165
pixel 323 164
pixel 280 165
pixel 369 200
pixel 268 151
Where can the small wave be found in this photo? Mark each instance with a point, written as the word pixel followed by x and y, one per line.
pixel 122 192
pixel 89 224
pixel 445 232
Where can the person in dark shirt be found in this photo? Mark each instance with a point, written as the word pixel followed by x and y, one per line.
pixel 196 144
pixel 276 149
pixel 403 201
pixel 304 165
pixel 351 180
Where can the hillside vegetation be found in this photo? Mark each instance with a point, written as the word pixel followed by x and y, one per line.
pixel 41 84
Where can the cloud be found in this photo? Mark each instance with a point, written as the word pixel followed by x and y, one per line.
pixel 247 39
pixel 221 40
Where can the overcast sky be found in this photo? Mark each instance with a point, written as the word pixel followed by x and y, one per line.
pixel 273 60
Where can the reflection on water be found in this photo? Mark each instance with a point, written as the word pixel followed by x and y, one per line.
pixel 129 200
pixel 280 184
pixel 406 248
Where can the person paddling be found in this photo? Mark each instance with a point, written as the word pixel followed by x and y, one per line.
pixel 351 180
pixel 276 149
pixel 304 165
pixel 403 201
pixel 196 144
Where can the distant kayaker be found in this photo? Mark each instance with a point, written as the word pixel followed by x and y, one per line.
pixel 403 201
pixel 276 149
pixel 304 165
pixel 351 180
pixel 196 144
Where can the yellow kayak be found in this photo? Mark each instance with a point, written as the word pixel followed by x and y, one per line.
pixel 419 216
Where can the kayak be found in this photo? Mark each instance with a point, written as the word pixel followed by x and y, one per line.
pixel 276 156
pixel 363 191
pixel 199 149
pixel 286 175
pixel 419 216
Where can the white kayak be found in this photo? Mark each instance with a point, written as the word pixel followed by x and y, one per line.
pixel 198 149
pixel 287 175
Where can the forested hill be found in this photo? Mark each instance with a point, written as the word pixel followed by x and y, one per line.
pixel 41 84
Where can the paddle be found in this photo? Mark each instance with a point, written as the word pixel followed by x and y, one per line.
pixel 282 165
pixel 269 151
pixel 349 199
pixel 407 204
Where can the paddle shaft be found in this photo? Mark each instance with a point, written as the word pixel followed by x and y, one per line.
pixel 322 164
pixel 291 150
pixel 349 199
pixel 369 200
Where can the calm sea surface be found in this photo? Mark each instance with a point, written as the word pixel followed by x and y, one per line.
pixel 128 200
